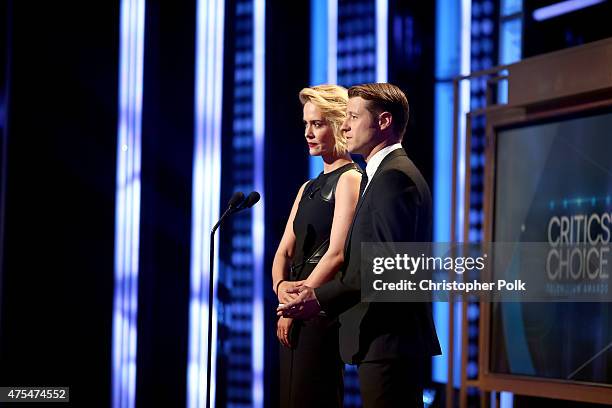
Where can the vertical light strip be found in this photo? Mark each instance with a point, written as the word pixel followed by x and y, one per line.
pixel 506 399
pixel 258 229
pixel 382 24
pixel 127 204
pixel 332 41
pixel 320 41
pixel 448 51
pixel 319 38
pixel 206 192
pixel 510 41
pixel 323 53
pixel 464 101
pixel 464 108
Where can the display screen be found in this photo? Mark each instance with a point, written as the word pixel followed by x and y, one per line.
pixel 547 173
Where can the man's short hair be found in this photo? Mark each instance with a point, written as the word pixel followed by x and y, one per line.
pixel 384 97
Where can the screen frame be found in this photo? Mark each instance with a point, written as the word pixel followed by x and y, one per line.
pixel 497 121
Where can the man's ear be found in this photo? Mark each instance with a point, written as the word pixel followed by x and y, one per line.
pixel 385 120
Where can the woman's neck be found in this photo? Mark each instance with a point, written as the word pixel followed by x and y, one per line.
pixel 331 163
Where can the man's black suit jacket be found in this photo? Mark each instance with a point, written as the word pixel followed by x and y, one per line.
pixel 396 207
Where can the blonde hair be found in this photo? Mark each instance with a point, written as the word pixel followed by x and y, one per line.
pixel 332 100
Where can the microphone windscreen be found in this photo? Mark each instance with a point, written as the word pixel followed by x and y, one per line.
pixel 252 199
pixel 236 199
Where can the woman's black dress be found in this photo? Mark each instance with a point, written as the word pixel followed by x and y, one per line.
pixel 311 372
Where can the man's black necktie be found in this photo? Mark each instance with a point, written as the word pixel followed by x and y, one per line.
pixel 364 183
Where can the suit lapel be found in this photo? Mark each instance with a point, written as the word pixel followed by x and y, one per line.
pixel 389 157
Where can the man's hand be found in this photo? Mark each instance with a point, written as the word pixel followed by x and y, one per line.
pixel 304 307
pixel 286 293
pixel 282 330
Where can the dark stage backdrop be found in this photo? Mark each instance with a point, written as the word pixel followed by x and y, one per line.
pixel 57 248
pixel 411 54
pixel 542 35
pixel 287 72
pixel 58 204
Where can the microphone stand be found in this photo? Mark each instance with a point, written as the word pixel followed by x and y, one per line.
pixel 234 207
pixel 230 210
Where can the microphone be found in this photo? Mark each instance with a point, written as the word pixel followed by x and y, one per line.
pixel 232 206
pixel 236 199
pixel 251 200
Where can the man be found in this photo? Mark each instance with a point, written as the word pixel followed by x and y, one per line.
pixel 390 342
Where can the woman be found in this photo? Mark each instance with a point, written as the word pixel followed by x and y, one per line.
pixel 311 251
